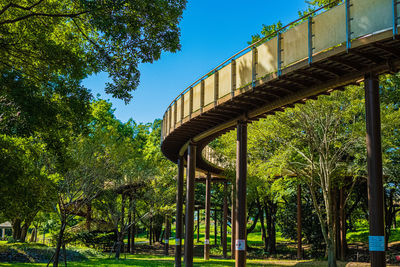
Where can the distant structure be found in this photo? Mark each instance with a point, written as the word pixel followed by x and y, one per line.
pixel 3 227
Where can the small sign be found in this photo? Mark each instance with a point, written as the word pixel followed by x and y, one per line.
pixel 376 243
pixel 178 241
pixel 240 244
pixel 166 241
pixel 206 242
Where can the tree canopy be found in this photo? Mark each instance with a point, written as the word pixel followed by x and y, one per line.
pixel 71 39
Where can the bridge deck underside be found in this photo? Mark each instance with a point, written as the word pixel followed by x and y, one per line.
pixel 330 70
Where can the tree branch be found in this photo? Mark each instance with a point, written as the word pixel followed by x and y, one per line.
pixel 73 15
pixel 6 7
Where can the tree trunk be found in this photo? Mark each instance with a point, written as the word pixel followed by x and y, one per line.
pixel 331 254
pixel 253 226
pixel 120 233
pixel 270 211
pixel 299 226
pixel 89 216
pixel 389 215
pixel 24 231
pixel 331 224
pixel 129 249
pixel 215 227
pixel 263 232
pixel 167 234
pixel 129 228
pixel 151 231
pixel 65 255
pixel 343 243
pixel 133 229
pixel 33 235
pixel 16 226
pixel 60 240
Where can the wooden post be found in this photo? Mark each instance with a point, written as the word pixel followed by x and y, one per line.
pixel 191 171
pixel 299 226
pixel 224 222
pixel 241 177
pixel 179 219
pixel 375 182
pixel 198 225
pixel 207 229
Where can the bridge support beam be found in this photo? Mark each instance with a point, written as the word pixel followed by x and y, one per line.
pixel 224 222
pixel 241 177
pixel 374 162
pixel 190 175
pixel 233 221
pixel 198 225
pixel 207 230
pixel 179 219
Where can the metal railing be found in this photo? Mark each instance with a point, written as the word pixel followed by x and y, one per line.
pixel 311 44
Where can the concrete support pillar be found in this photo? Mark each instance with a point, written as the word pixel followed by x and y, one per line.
pixel 207 219
pixel 190 175
pixel 179 219
pixel 241 177
pixel 3 234
pixel 224 222
pixel 299 228
pixel 374 162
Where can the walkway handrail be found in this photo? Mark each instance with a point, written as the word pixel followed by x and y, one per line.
pixel 249 47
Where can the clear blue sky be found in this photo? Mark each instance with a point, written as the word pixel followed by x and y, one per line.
pixel 211 31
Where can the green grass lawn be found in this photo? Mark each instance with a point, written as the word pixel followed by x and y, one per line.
pixel 150 260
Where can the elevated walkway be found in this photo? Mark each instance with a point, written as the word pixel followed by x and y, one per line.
pixel 319 53
pixel 323 53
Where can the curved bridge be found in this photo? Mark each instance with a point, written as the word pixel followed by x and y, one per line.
pixel 322 52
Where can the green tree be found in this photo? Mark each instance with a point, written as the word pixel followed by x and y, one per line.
pixel 27 186
pixel 71 38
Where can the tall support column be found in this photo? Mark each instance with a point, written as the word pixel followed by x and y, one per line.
pixel 190 174
pixel 198 225
pixel 233 220
pixel 299 226
pixel 374 162
pixel 241 175
pixel 224 222
pixel 207 230
pixel 179 219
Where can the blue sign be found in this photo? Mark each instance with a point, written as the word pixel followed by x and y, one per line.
pixel 376 243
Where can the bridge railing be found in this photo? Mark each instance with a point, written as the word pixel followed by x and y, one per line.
pixel 210 155
pixel 316 32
